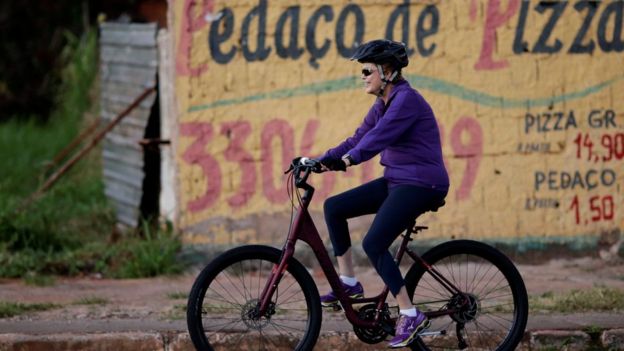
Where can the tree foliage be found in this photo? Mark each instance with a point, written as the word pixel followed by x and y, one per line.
pixel 32 37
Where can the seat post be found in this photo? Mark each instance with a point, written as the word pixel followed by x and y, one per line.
pixel 406 239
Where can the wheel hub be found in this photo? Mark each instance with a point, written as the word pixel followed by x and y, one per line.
pixel 251 317
pixel 468 307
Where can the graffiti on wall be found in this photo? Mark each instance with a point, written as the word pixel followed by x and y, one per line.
pixel 524 93
pixel 606 24
pixel 261 172
pixel 601 156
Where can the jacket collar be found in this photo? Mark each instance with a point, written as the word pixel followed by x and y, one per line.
pixel 396 87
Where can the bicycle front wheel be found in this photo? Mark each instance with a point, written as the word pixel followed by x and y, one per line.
pixel 491 311
pixel 223 301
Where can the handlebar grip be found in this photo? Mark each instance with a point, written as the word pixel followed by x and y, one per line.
pixel 301 168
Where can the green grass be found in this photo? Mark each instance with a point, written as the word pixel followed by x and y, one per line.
pixel 151 255
pixel 49 236
pixel 177 312
pixel 92 300
pixel 39 280
pixel 593 331
pixel 598 298
pixel 10 309
pixel 71 229
pixel 178 295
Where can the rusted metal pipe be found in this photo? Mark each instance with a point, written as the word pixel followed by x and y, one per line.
pixel 154 141
pixel 85 149
pixel 71 146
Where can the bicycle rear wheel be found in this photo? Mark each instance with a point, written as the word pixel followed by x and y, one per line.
pixel 222 303
pixel 496 313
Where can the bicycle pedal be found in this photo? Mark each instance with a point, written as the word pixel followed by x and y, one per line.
pixel 335 307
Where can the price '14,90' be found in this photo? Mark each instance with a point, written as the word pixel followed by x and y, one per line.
pixel 611 147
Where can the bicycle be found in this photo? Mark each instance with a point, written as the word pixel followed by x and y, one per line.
pixel 260 297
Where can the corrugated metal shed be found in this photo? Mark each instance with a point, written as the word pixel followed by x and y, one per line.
pixel 128 66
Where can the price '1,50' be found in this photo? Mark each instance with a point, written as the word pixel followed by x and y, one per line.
pixel 601 208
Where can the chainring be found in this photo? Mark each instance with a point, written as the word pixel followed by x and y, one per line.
pixel 372 335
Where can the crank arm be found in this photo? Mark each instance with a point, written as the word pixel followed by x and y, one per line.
pixel 433 333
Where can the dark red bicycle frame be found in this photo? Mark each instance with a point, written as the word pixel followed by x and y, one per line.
pixel 303 228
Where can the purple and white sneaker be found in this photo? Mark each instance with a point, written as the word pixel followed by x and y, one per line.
pixel 408 328
pixel 354 292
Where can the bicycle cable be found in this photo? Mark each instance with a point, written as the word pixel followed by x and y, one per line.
pixel 290 189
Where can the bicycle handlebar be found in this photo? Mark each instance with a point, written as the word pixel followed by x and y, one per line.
pixel 306 166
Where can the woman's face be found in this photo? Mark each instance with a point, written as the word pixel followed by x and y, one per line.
pixel 371 78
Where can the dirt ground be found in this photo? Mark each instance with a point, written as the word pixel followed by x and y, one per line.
pixel 164 298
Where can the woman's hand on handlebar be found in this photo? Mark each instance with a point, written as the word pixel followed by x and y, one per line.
pixel 314 165
pixel 334 165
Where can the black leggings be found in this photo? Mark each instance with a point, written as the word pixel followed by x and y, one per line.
pixel 396 208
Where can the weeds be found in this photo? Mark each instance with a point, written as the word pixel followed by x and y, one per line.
pixel 599 298
pixel 68 231
pixel 10 309
pixel 42 239
pixel 153 255
pixel 593 329
pixel 39 280
pixel 93 300
pixel 79 74
pixel 177 312
pixel 177 295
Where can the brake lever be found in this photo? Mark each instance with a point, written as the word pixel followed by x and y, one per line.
pixel 313 165
pixel 290 169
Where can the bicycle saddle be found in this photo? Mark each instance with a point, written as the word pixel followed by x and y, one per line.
pixel 436 205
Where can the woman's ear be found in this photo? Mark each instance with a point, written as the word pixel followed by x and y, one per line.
pixel 387 70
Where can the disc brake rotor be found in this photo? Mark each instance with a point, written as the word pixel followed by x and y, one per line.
pixel 249 315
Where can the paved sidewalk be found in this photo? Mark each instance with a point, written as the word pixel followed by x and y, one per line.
pixel 544 332
pixel 148 314
pixel 332 321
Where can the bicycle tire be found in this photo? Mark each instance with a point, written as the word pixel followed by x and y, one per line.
pixel 227 290
pixel 497 314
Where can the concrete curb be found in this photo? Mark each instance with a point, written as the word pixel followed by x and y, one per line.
pixel 570 340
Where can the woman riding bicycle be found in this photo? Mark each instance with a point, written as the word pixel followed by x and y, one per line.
pixel 402 127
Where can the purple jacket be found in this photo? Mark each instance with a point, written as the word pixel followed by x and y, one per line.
pixel 406 133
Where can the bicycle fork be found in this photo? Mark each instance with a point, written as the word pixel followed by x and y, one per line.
pixel 274 279
pixel 287 253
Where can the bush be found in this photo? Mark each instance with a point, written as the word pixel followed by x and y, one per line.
pixel 30 69
pixel 71 229
pixel 152 255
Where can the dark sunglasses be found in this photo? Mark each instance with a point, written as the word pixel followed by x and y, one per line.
pixel 367 71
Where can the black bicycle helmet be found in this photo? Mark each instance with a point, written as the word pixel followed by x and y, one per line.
pixel 382 51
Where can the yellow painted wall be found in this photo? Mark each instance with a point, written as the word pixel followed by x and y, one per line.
pixel 529 98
